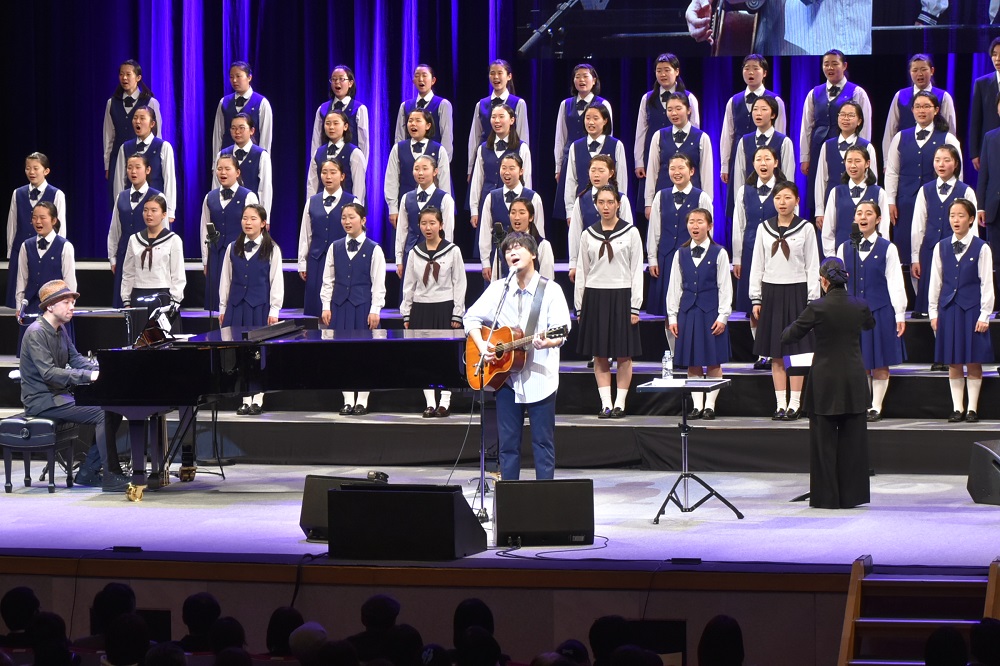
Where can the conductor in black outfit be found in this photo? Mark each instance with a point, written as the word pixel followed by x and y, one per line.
pixel 836 395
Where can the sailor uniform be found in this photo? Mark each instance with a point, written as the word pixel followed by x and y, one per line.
pixel 433 287
pixel 585 215
pixel 154 266
pixel 126 221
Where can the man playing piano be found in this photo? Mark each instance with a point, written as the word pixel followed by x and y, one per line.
pixel 533 390
pixel 50 368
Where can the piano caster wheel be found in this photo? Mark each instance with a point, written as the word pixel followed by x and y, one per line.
pixel 159 480
pixel 187 473
pixel 134 493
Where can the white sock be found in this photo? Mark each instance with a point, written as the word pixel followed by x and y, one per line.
pixel 362 398
pixel 620 399
pixel 710 399
pixel 349 398
pixel 795 400
pixel 445 399
pixel 957 393
pixel 248 400
pixel 879 387
pixel 605 393
pixel 429 398
pixel 974 386
pixel 779 398
pixel 258 398
pixel 699 400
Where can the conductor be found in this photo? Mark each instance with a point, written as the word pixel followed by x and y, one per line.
pixel 836 396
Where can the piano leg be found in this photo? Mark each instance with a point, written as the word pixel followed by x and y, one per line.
pixel 138 430
pixel 188 416
pixel 157 436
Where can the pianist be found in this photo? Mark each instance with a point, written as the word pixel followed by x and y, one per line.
pixel 50 368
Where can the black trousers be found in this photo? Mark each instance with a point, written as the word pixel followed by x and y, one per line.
pixel 838 461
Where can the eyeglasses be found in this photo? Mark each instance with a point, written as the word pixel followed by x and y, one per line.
pixel 339 79
pixel 847 115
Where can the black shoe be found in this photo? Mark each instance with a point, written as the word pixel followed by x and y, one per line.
pixel 617 413
pixel 956 417
pixel 442 412
pixel 939 367
pixel 792 414
pixel 972 417
pixel 590 363
pixel 762 364
pixel 346 409
pixel 779 415
pixel 255 409
pixel 605 413
pixel 112 483
pixel 430 412
pixel 87 478
pixel 360 410
pixel 243 410
pixel 708 414
pixel 695 413
pixel 874 416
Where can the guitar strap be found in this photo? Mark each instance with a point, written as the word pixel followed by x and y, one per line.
pixel 536 306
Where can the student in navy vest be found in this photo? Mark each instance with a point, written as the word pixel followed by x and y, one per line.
pixel 960 305
pixel 503 139
pixel 857 184
pixel 607 297
pixel 343 97
pixel 586 89
pixel 602 172
pixel 985 92
pixel 680 136
pixel 988 186
pixel 163 173
pixel 909 165
pixel 522 220
pixel 653 117
pixel 876 277
pixel 427 194
pixel 254 161
pixel 243 100
pixel 339 146
pixel 43 257
pixel 399 174
pixel 783 279
pixel 930 218
pixel 252 289
pixel 223 207
pixel 820 121
pixel 22 203
pixel 764 114
pixel 439 108
pixel 830 162
pixel 598 141
pixel 496 209
pixel 130 94
pixel 502 82
pixel 698 304
pixel 433 291
pixel 153 266
pixel 353 292
pixel 921 69
pixel 126 218
pixel 668 228
pixel 738 122
pixel 321 226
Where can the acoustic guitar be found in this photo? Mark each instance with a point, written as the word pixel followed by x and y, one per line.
pixel 734 30
pixel 511 353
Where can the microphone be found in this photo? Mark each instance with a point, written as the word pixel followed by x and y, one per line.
pixel 21 310
pixel 856 234
pixel 514 270
pixel 212 235
pixel 498 233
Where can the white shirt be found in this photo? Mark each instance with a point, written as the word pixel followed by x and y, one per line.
pixel 305 228
pixel 445 133
pixel 403 222
pixel 823 177
pixel 68 266
pixel 809 118
pixel 390 184
pixel 479 175
pixel 573 186
pixel 892 159
pixel 540 376
pixel 265 193
pixel 448 286
pixel 206 215
pixel 163 268
pixel 562 131
pixel 893 273
pixel 985 279
pixel 359 168
pixel 115 232
pixel 802 264
pixel 108 134
pixel 359 130
pixel 675 287
pixel 265 127
pixel 657 163
pixel 622 271
pixel 167 165
pixel 892 120
pixel 521 124
pixel 642 124
pixel 277 291
pixel 919 227
pixel 576 224
pixel 377 275
pixel 831 222
pixel 59 200
pixel 655 221
pixel 728 141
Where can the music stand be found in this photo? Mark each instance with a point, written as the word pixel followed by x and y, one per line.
pixel 686 387
pixel 798 365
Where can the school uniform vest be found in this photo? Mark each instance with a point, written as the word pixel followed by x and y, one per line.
pixel 750 147
pixel 845 210
pixel 485 111
pixel 352 277
pixel 700 283
pixel 825 112
pixel 249 167
pixel 251 282
pixel 742 121
pixel 869 283
pixel 960 279
pixel 153 153
pixel 672 220
pixel 228 221
pixel 24 204
pixel 491 170
pixel 574 121
pixel 406 160
pixel 121 118
pixel 229 111
pixel 904 100
pixel 937 212
pixel 916 164
pixel 343 158
pixel 326 228
pixel 835 162
pixel 656 119
pixel 498 205
pixel 351 111
pixel 756 212
pixel 130 218
pixel 413 235
pixel 691 147
pixel 410 105
pixel 582 155
pixel 42 269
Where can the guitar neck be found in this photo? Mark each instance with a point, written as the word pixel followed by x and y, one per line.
pixel 520 342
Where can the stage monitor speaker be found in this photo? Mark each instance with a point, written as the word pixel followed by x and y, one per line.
pixel 984 473
pixel 544 513
pixel 402 522
pixel 313 518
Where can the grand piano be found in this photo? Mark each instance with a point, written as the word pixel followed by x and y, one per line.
pixel 145 384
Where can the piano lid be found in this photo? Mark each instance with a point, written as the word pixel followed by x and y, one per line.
pixel 234 335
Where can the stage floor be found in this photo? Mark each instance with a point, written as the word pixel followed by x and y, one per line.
pixel 253 515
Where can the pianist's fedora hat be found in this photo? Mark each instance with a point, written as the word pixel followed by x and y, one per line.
pixel 54 291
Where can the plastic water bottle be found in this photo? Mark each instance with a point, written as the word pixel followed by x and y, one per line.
pixel 668 364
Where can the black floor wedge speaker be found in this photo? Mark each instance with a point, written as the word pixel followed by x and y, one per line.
pixel 402 522
pixel 544 513
pixel 984 473
pixel 313 517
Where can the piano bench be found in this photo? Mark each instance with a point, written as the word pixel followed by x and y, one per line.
pixel 27 435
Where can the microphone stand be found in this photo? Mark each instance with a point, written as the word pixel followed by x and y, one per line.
pixel 211 241
pixel 856 237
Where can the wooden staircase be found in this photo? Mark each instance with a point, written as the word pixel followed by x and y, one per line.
pixel 889 616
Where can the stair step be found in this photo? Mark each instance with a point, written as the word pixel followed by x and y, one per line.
pixel 916 624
